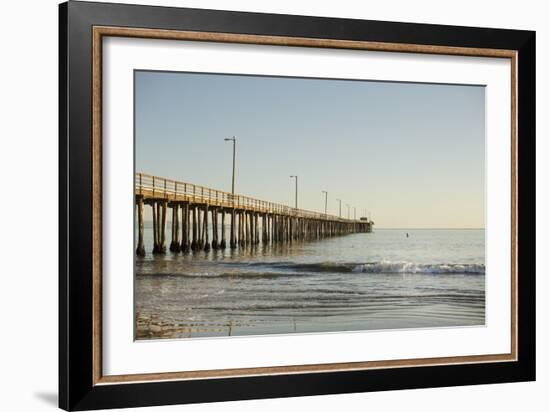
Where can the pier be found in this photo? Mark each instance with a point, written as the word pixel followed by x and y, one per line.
pixel 200 216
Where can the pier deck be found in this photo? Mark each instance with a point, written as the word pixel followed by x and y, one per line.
pixel 199 214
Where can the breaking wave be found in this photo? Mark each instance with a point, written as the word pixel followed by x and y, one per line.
pixel 284 269
pixel 409 267
pixel 384 266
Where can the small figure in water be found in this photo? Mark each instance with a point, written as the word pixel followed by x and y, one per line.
pixel 407 234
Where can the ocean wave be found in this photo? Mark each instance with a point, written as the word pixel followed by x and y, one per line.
pixel 322 267
pixel 284 269
pixel 384 266
pixel 410 267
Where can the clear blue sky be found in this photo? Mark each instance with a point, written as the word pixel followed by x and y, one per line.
pixel 411 154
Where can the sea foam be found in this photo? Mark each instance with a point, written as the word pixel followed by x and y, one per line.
pixel 410 267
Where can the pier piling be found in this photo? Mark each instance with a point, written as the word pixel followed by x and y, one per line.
pixel 175 244
pixel 140 250
pixel 185 227
pixel 222 242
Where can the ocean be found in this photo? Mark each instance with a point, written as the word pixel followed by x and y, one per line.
pixel 364 281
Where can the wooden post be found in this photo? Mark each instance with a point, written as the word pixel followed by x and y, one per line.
pixel 155 227
pixel 206 239
pixel 238 228
pixel 177 229
pixel 252 229
pixel 279 230
pixel 283 228
pixel 318 229
pixel 290 229
pixel 232 240
pixel 140 250
pixel 278 227
pixel 314 229
pixel 172 231
pixel 265 224
pixel 270 229
pixel 245 228
pixel 274 228
pixel 241 229
pixel 222 243
pixel 175 244
pixel 214 228
pixel 185 228
pixel 264 227
pixel 163 228
pixel 200 212
pixel 247 222
pixel 194 218
pixel 256 229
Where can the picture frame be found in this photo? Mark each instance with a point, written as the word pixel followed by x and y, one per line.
pixel 83 27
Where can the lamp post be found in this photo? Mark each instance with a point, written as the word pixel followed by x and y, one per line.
pixel 354 213
pixel 348 209
pixel 296 195
pixel 340 208
pixel 326 198
pixel 232 139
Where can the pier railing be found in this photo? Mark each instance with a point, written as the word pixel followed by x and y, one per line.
pixel 155 187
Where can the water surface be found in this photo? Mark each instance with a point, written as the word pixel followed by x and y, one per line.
pixel 365 281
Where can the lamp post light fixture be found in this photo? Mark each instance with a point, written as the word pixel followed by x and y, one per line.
pixel 232 139
pixel 296 194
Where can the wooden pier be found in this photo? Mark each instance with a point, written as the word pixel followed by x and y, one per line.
pixel 199 216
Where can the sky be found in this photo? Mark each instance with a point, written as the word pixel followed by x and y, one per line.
pixel 411 155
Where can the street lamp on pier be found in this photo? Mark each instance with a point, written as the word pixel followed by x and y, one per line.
pixel 232 139
pixel 296 195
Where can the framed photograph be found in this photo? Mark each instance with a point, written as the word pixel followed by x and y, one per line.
pixel 256 205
